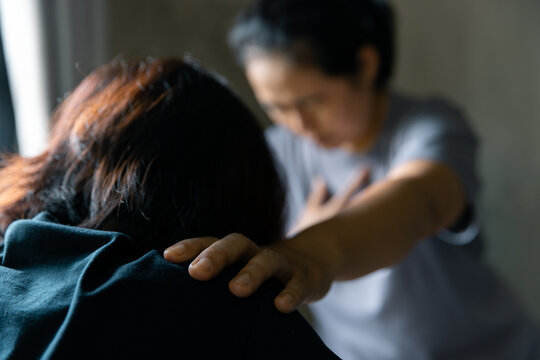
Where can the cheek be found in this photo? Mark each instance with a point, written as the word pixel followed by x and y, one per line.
pixel 344 120
pixel 356 115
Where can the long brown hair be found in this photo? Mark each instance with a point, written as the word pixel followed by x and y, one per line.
pixel 160 149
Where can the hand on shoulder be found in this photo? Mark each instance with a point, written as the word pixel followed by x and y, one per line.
pixel 304 277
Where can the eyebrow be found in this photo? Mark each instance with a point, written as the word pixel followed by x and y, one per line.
pixel 309 98
pixel 268 106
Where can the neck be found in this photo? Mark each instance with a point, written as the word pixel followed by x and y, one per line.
pixel 376 121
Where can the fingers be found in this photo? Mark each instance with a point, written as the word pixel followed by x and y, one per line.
pixel 220 254
pixel 362 178
pixel 187 249
pixel 265 265
pixel 260 268
pixel 213 255
pixel 292 296
pixel 318 193
pixel 304 286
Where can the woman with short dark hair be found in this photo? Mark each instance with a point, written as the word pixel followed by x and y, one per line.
pixel 382 193
pixel 141 153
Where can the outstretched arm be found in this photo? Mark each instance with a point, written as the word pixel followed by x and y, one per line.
pixel 377 229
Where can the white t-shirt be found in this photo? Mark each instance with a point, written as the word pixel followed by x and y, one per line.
pixel 441 301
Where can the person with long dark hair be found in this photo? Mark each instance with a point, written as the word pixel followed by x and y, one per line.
pixel 141 153
pixel 382 194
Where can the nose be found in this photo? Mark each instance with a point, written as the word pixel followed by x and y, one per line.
pixel 302 120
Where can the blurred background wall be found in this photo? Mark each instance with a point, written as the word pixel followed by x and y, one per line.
pixel 483 55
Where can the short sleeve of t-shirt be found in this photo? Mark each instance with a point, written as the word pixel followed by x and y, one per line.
pixel 434 130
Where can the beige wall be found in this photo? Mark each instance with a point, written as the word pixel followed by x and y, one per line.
pixel 485 55
pixel 482 54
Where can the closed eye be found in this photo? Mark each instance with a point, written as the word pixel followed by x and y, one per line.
pixel 311 100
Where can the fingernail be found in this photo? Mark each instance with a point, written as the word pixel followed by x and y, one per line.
pixel 202 264
pixel 285 303
pixel 286 297
pixel 177 249
pixel 243 279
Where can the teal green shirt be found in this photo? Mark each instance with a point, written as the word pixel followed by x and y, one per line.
pixel 72 293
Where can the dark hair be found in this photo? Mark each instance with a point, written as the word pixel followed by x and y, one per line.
pixel 160 149
pixel 326 33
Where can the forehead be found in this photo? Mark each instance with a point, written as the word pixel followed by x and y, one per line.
pixel 273 77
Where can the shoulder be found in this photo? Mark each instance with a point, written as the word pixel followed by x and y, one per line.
pixel 425 127
pixel 160 282
pixel 144 305
pixel 203 313
pixel 432 114
pixel 433 129
pixel 131 302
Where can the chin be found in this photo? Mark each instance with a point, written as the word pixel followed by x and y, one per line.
pixel 327 143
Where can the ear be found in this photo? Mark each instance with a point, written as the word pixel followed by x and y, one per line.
pixel 367 59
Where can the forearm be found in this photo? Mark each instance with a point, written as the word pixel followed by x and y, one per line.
pixel 383 225
pixel 382 228
pixel 377 229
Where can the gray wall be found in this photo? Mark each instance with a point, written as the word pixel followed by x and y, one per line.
pixel 485 55
pixel 141 28
pixel 482 54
